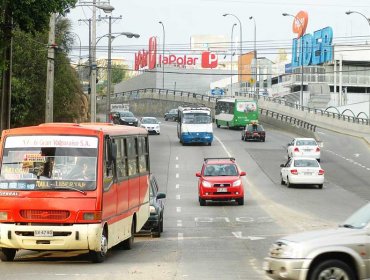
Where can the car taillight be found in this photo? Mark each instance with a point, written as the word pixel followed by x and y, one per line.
pixel 321 172
pixel 110 117
pixel 294 171
pixel 296 149
pixel 317 149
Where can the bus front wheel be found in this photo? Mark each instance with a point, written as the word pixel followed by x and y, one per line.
pixel 99 256
pixel 7 254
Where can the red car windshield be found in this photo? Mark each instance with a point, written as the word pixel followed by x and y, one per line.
pixel 220 170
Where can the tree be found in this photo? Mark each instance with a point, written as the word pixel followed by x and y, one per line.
pixel 30 16
pixel 118 73
pixel 29 79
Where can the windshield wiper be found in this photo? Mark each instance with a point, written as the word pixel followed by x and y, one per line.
pixel 68 188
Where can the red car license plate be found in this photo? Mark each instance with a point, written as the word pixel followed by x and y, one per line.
pixel 222 190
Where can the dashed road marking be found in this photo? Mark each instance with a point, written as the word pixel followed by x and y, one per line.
pixel 177 175
pixel 177 186
pixel 179 223
pixel 176 166
pixel 178 209
pixel 180 236
pixel 178 197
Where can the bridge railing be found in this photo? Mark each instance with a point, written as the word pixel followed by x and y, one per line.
pixel 289 119
pixel 166 93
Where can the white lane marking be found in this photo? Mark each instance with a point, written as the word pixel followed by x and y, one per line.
pixel 177 158
pixel 357 155
pixel 319 132
pixel 180 236
pixel 223 146
pixel 176 166
pixel 178 197
pixel 239 235
pixel 178 209
pixel 177 175
pixel 179 223
pixel 177 186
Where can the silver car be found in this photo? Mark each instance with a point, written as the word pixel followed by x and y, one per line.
pixel 342 253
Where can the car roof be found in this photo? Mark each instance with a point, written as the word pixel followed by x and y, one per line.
pixel 148 118
pixel 304 158
pixel 304 138
pixel 219 160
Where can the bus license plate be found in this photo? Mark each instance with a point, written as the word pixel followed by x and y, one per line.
pixel 43 233
pixel 222 190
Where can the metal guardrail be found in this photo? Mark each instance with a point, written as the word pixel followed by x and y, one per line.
pixel 134 94
pixel 289 119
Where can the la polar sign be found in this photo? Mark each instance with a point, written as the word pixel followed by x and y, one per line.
pixel 148 58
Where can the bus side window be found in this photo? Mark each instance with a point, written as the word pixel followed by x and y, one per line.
pixel 121 162
pixel 108 166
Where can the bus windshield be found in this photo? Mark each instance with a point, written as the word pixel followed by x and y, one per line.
pixel 49 162
pixel 196 118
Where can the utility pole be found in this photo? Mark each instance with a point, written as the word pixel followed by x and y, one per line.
pixel 49 100
pixel 93 67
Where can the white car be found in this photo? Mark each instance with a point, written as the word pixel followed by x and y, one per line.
pixel 151 124
pixel 304 147
pixel 299 170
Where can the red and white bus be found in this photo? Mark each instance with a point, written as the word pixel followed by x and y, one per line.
pixel 73 187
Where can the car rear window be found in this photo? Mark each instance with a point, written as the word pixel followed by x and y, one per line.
pixel 306 163
pixel 306 143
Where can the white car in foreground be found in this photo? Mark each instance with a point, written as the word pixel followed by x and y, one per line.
pixel 151 124
pixel 302 171
pixel 304 147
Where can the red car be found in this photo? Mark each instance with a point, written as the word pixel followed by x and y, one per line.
pixel 220 179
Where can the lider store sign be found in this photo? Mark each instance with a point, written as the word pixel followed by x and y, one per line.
pixel 149 58
pixel 311 49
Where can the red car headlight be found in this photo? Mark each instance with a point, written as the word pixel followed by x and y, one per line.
pixel 237 183
pixel 206 184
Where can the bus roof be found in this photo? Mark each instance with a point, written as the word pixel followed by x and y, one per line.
pixel 233 99
pixel 75 128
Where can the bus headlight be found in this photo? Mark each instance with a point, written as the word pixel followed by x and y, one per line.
pixel 3 216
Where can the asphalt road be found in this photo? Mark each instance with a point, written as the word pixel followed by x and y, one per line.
pixel 220 240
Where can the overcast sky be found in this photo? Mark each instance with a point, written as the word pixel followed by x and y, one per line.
pixel 184 18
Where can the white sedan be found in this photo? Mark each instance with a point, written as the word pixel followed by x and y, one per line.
pixel 305 171
pixel 151 124
pixel 304 147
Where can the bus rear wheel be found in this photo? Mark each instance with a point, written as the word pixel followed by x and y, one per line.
pixel 128 243
pixel 217 124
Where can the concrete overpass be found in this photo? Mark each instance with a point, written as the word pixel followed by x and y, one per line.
pixel 278 112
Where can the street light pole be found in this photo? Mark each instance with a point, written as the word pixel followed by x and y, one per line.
pixel 255 57
pixel 231 59
pixel 368 21
pixel 162 62
pixel 109 66
pixel 301 58
pixel 240 43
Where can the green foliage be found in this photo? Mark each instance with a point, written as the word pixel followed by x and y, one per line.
pixel 118 73
pixel 29 80
pixel 33 15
